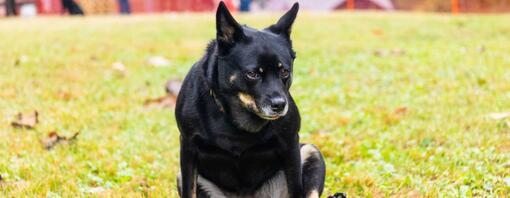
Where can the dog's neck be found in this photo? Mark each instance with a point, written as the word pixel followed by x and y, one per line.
pixel 245 120
pixel 217 101
pixel 241 118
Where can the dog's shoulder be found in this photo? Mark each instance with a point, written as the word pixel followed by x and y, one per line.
pixel 195 89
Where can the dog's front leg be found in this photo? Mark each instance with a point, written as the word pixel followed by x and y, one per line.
pixel 293 170
pixel 188 171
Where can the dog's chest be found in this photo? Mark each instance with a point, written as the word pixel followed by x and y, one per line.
pixel 241 172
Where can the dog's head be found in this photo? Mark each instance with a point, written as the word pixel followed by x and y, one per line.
pixel 254 67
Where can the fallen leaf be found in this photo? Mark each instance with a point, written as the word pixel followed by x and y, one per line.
pixel 398 52
pixel 481 49
pixel 377 32
pixel 380 53
pixel 396 116
pixel 26 121
pixel 312 71
pixel 144 183
pixel 158 61
pixel 401 111
pixel 167 101
pixel 390 52
pixel 343 121
pixel 64 95
pixel 16 184
pixel 173 87
pixel 119 68
pixel 499 116
pixel 54 139
pixel 20 60
pixel 92 190
pixel 481 81
pixel 93 58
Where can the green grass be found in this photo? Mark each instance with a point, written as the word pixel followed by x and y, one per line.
pixel 396 102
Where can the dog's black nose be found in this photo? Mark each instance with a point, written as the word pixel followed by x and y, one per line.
pixel 278 104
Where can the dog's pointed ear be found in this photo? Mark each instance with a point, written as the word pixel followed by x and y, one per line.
pixel 284 24
pixel 228 31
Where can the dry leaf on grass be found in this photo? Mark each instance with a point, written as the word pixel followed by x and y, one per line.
pixel 498 116
pixel 390 52
pixel 396 116
pixel 93 190
pixel 17 184
pixel 377 32
pixel 64 95
pixel 20 60
pixel 158 61
pixel 172 88
pixel 167 101
pixel 119 68
pixel 27 121
pixel 54 138
pixel 400 111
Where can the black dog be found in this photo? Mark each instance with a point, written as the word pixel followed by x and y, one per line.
pixel 238 122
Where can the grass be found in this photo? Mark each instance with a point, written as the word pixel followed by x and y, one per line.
pixel 397 103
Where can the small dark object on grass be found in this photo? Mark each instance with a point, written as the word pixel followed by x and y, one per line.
pixel 167 101
pixel 54 139
pixel 26 121
pixel 172 88
pixel 338 195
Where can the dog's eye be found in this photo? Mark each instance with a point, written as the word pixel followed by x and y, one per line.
pixel 253 75
pixel 284 73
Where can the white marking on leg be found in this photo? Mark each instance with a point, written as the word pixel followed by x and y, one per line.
pixel 211 189
pixel 313 194
pixel 276 187
pixel 307 151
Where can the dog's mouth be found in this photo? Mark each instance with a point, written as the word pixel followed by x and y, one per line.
pixel 263 112
pixel 269 117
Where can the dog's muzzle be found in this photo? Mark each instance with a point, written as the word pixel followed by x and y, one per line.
pixel 277 108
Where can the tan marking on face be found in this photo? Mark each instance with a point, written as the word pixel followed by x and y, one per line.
pixel 247 100
pixel 313 194
pixel 261 70
pixel 232 78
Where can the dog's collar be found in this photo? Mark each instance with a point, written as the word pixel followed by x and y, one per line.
pixel 218 102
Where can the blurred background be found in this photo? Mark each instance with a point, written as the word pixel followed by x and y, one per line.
pixel 59 7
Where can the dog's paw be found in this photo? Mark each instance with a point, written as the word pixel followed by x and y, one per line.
pixel 338 195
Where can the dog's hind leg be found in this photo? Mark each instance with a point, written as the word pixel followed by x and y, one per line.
pixel 206 189
pixel 313 169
